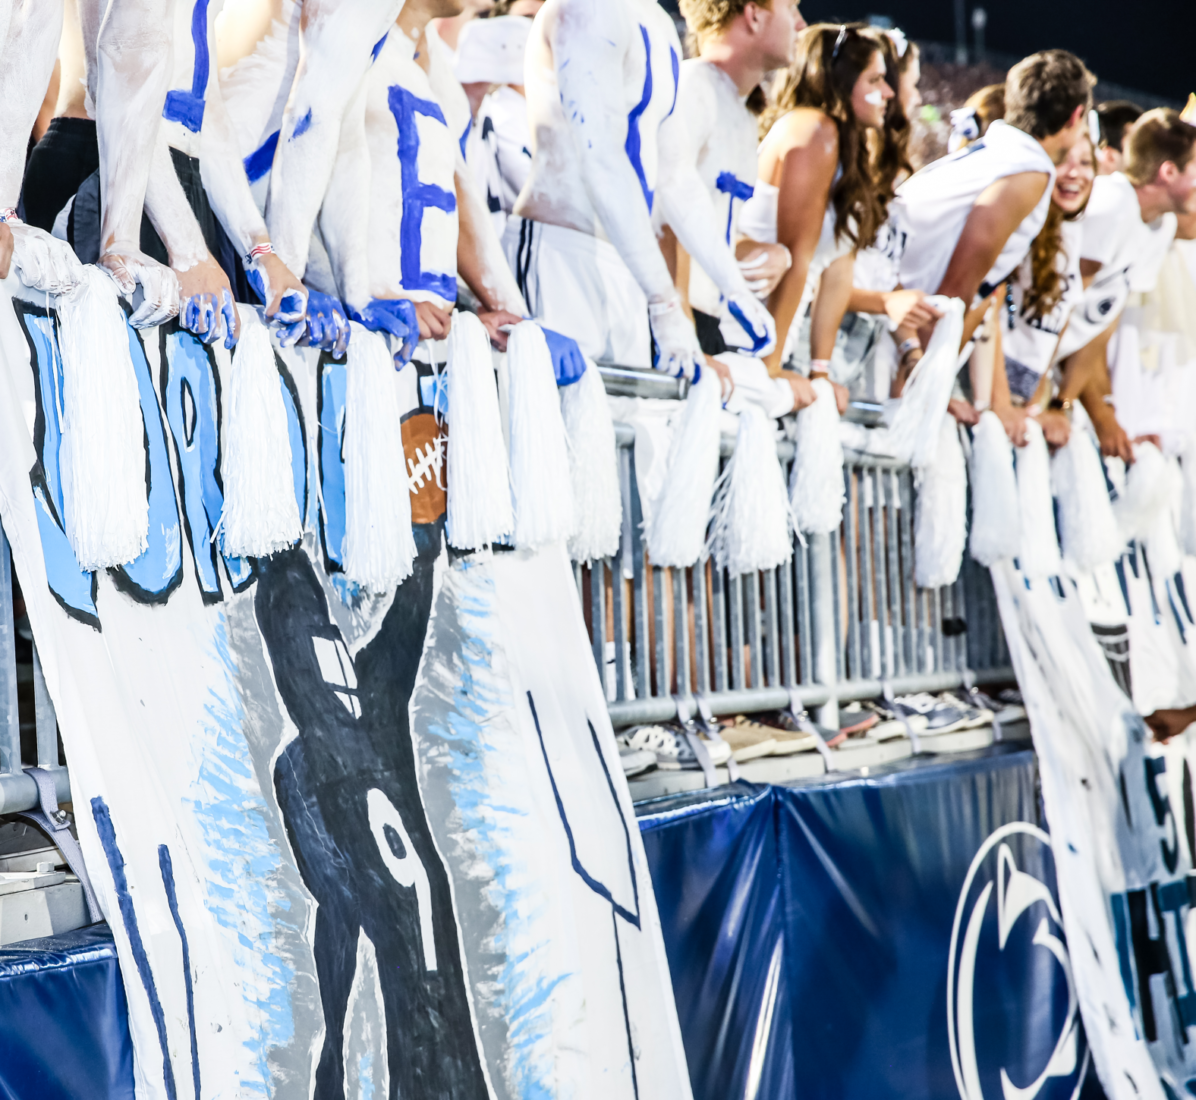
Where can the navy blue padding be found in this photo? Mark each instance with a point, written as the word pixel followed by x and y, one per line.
pixel 858 878
pixel 717 880
pixel 64 1032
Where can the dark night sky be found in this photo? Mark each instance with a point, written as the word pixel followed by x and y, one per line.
pixel 1149 45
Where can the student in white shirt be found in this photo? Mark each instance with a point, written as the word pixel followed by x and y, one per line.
pixel 815 193
pixel 737 44
pixel 1129 227
pixel 970 218
pixel 1038 300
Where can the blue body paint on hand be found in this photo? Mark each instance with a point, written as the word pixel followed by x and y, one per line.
pixel 568 363
pixel 327 323
pixel 396 316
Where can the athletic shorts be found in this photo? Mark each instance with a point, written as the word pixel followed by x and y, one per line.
pixel 579 285
pixel 58 164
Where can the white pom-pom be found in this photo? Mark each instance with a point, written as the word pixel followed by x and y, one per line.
pixel 379 542
pixel 940 511
pixel 676 529
pixel 261 515
pixel 103 435
pixel 1088 532
pixel 914 431
pixel 540 475
pixel 1161 538
pixel 1146 490
pixel 816 482
pixel 996 516
pixel 479 508
pixel 1038 554
pixel 1188 510
pixel 753 525
pixel 593 468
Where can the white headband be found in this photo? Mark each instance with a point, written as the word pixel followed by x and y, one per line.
pixel 900 42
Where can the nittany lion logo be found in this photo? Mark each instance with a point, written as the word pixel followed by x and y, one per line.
pixel 1008 935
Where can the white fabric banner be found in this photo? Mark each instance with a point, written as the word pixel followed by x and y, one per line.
pixel 348 845
pixel 1120 813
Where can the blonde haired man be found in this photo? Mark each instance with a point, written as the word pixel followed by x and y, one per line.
pixel 719 94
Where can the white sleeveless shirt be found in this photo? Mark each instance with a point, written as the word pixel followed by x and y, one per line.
pixel 933 205
pixel 1029 343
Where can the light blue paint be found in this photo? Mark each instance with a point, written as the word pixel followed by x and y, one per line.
pixel 365 1076
pixel 244 867
pixel 524 992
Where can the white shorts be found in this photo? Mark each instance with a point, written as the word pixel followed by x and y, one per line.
pixel 579 285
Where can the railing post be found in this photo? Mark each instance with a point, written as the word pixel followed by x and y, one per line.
pixel 10 720
pixel 822 614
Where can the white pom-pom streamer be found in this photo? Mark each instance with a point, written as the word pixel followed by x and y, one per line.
pixel 479 474
pixel 1188 510
pixel 1161 538
pixel 379 542
pixel 914 433
pixel 1088 532
pixel 816 482
pixel 1038 554
pixel 996 515
pixel 1146 490
pixel 261 515
pixel 753 525
pixel 103 435
pixel 540 474
pixel 940 512
pixel 593 468
pixel 676 530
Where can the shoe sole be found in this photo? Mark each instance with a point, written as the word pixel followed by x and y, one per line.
pixel 752 752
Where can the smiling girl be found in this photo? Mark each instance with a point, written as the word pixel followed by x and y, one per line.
pixel 815 193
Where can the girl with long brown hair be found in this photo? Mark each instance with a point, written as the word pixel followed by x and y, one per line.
pixel 815 193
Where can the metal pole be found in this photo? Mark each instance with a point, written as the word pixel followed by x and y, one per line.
pixel 979 22
pixel 822 607
pixel 47 720
pixel 961 33
pixel 10 719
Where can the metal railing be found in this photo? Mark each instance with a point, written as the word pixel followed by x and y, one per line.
pixel 18 791
pixel 842 621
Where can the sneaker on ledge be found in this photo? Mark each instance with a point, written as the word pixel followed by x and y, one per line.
pixel 671 747
pixel 748 739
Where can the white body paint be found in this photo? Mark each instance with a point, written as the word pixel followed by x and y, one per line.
pixel 722 135
pixel 29 34
pixel 611 153
pixel 337 37
pixel 368 220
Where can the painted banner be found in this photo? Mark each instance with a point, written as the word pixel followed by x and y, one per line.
pixel 1122 825
pixel 348 845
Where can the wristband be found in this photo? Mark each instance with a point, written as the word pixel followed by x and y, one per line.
pixel 820 368
pixel 1034 410
pixel 257 251
pixel 1108 399
pixel 9 214
pixel 659 309
pixel 906 346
